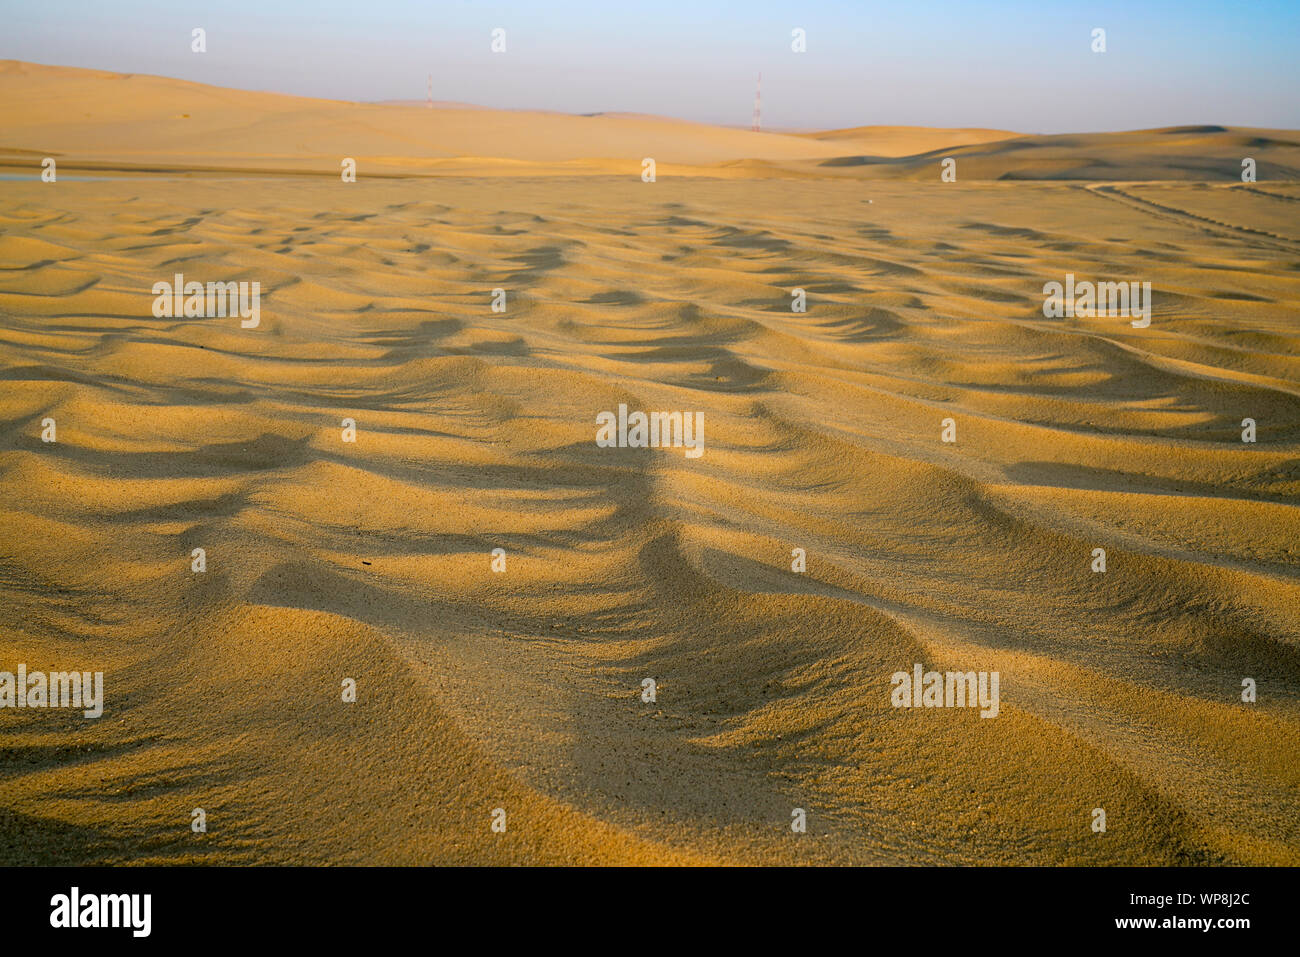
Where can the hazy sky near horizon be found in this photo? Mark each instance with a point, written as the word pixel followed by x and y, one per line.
pixel 1024 66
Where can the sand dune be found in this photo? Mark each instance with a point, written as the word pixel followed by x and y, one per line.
pixel 891 141
pixel 89 120
pixel 475 430
pixel 93 120
pixel 1200 153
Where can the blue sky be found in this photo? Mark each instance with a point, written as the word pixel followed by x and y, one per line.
pixel 1021 66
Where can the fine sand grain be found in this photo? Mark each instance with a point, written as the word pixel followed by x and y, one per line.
pixel 475 430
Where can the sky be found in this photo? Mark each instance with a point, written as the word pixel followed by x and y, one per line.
pixel 1022 66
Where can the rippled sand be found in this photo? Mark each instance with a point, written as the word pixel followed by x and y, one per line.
pixel 521 690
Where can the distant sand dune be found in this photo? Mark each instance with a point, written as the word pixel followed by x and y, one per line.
pixel 89 120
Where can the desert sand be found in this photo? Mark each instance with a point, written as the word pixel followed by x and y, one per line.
pixel 521 689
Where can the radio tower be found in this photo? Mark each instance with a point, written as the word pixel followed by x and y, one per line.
pixel 758 104
pixel 430 91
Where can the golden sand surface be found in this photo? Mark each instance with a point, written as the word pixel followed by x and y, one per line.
pixel 475 430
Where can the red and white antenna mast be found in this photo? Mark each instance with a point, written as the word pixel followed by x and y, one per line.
pixel 430 91
pixel 758 104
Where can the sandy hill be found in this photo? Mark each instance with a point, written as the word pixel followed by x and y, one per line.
pixel 1173 153
pixel 91 119
pixel 904 140
pixel 95 120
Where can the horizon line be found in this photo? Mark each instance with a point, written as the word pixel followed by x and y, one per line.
pixel 738 125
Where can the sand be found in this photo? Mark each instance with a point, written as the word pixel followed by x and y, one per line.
pixel 521 689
